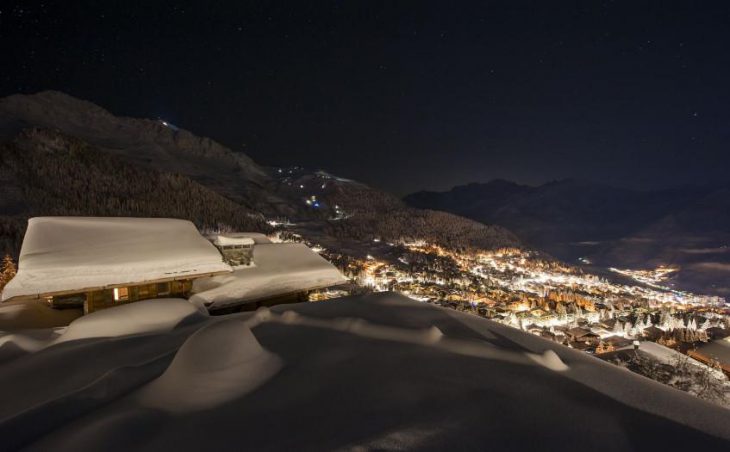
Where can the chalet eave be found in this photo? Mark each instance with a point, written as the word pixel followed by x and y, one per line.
pixel 258 299
pixel 117 285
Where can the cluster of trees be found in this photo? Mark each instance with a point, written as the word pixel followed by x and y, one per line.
pixel 604 347
pixel 373 214
pixel 12 229
pixel 61 175
pixel 56 174
pixel 7 271
pixel 686 335
pixel 406 224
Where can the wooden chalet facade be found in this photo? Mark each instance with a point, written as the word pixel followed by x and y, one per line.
pixel 94 299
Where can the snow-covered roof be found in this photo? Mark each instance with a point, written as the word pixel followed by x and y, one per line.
pixel 227 240
pixel 257 237
pixel 62 254
pixel 281 268
pixel 719 349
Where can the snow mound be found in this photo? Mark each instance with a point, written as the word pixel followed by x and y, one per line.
pixel 17 344
pixel 198 379
pixel 550 360
pixel 32 314
pixel 433 335
pixel 147 316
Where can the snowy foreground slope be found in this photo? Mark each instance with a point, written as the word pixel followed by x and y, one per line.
pixel 377 372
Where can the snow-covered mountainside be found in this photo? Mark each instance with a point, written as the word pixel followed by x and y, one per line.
pixel 143 142
pixel 46 172
pixel 63 156
pixel 337 210
pixel 370 372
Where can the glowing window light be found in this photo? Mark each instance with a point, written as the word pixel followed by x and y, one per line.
pixel 121 293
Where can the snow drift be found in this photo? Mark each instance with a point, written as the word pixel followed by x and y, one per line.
pixel 198 379
pixel 280 269
pixel 146 316
pixel 366 372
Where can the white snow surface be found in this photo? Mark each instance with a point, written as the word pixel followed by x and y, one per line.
pixel 378 371
pixel 225 240
pixel 280 268
pixel 664 355
pixel 31 314
pixel 73 253
pixel 257 237
pixel 198 379
pixel 141 317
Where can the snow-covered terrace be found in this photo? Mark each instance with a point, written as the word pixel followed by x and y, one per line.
pixel 280 269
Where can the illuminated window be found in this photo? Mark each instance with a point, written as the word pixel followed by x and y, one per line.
pixel 121 294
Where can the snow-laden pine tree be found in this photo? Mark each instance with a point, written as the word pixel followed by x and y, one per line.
pixel 617 327
pixel 561 311
pixel 628 327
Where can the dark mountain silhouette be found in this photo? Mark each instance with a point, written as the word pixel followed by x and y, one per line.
pixel 46 172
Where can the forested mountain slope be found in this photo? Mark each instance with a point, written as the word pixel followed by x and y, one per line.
pixel 65 156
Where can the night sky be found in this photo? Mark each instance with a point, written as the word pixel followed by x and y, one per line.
pixel 405 95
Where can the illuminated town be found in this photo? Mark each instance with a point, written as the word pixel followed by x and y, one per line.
pixel 539 295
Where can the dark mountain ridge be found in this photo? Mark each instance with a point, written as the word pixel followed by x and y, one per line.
pixel 142 142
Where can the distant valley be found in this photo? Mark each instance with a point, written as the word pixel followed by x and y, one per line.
pixel 686 227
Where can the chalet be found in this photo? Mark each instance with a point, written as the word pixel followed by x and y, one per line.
pixel 584 335
pixel 618 341
pixel 584 346
pixel 716 332
pixel 97 263
pixel 547 335
pixel 652 333
pixel 714 353
pixel 608 324
pixel 602 332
